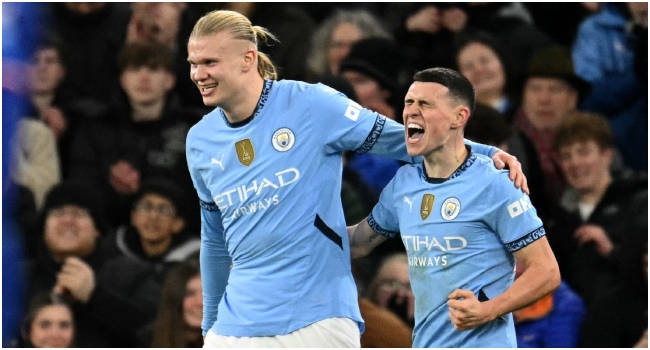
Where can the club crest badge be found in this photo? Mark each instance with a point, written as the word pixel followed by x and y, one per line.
pixel 245 151
pixel 426 206
pixel 283 139
pixel 450 208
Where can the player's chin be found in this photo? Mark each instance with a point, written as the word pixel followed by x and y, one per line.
pixel 414 151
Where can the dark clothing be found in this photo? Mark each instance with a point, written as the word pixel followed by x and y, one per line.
pixel 117 306
pixel 155 148
pixel 582 267
pixel 93 43
pixel 126 242
pixel 616 320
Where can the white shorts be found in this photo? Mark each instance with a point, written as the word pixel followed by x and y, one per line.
pixel 329 333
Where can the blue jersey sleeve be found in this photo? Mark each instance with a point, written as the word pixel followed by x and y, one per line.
pixel 515 219
pixel 215 263
pixel 348 126
pixel 383 218
pixel 214 258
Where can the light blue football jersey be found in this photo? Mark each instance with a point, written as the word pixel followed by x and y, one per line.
pixel 271 207
pixel 459 234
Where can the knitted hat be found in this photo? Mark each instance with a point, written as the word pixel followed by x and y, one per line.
pixel 79 194
pixel 556 62
pixel 377 58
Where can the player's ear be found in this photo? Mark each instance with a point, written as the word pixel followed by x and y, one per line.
pixel 249 59
pixel 461 116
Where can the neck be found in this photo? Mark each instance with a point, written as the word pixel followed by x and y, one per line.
pixel 42 100
pixel 147 112
pixel 246 100
pixel 595 194
pixel 443 161
pixel 157 247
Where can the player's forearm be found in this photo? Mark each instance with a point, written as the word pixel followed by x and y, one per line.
pixel 363 239
pixel 536 282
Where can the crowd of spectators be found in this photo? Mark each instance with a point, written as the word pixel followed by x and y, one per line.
pixel 108 218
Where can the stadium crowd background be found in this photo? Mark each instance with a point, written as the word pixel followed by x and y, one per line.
pixel 100 220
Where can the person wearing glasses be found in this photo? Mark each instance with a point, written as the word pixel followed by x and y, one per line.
pixel 74 263
pixel 156 233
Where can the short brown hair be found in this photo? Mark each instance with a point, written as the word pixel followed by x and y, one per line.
pixel 139 53
pixel 582 127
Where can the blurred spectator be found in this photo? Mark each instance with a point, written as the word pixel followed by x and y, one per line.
pixel 74 263
pixel 156 234
pixel 169 24
pixel 94 33
pixel 486 125
pixel 552 322
pixel 141 138
pixel 513 24
pixel 384 329
pixel 551 92
pixel 560 20
pixel 35 160
pixel 334 37
pixel 611 52
pixel 49 323
pixel 372 68
pixel 178 324
pixel 619 319
pixel 427 34
pixel 50 102
pixel 482 60
pixel 390 288
pixel 597 208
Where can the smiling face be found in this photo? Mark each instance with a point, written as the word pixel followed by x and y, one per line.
pixel 70 230
pixel 585 165
pixel 482 67
pixel 429 115
pixel 52 327
pixel 155 219
pixel 217 67
pixel 193 303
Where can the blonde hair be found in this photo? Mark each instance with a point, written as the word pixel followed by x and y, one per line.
pixel 240 28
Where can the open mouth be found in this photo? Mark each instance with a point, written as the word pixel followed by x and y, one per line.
pixel 414 132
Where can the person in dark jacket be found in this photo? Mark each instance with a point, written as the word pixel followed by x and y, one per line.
pixel 74 262
pixel 141 139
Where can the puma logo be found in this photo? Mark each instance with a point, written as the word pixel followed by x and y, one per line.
pixel 216 161
pixel 410 203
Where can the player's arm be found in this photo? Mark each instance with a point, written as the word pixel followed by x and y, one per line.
pixel 541 277
pixel 363 239
pixel 215 264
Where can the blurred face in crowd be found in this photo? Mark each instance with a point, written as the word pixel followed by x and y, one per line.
pixel 367 89
pixel 546 101
pixel 193 303
pixel 155 219
pixel 146 85
pixel 218 67
pixel 343 38
pixel 70 231
pixel 52 327
pixel 158 21
pixel 482 67
pixel 585 165
pixel 45 72
pixel 392 278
